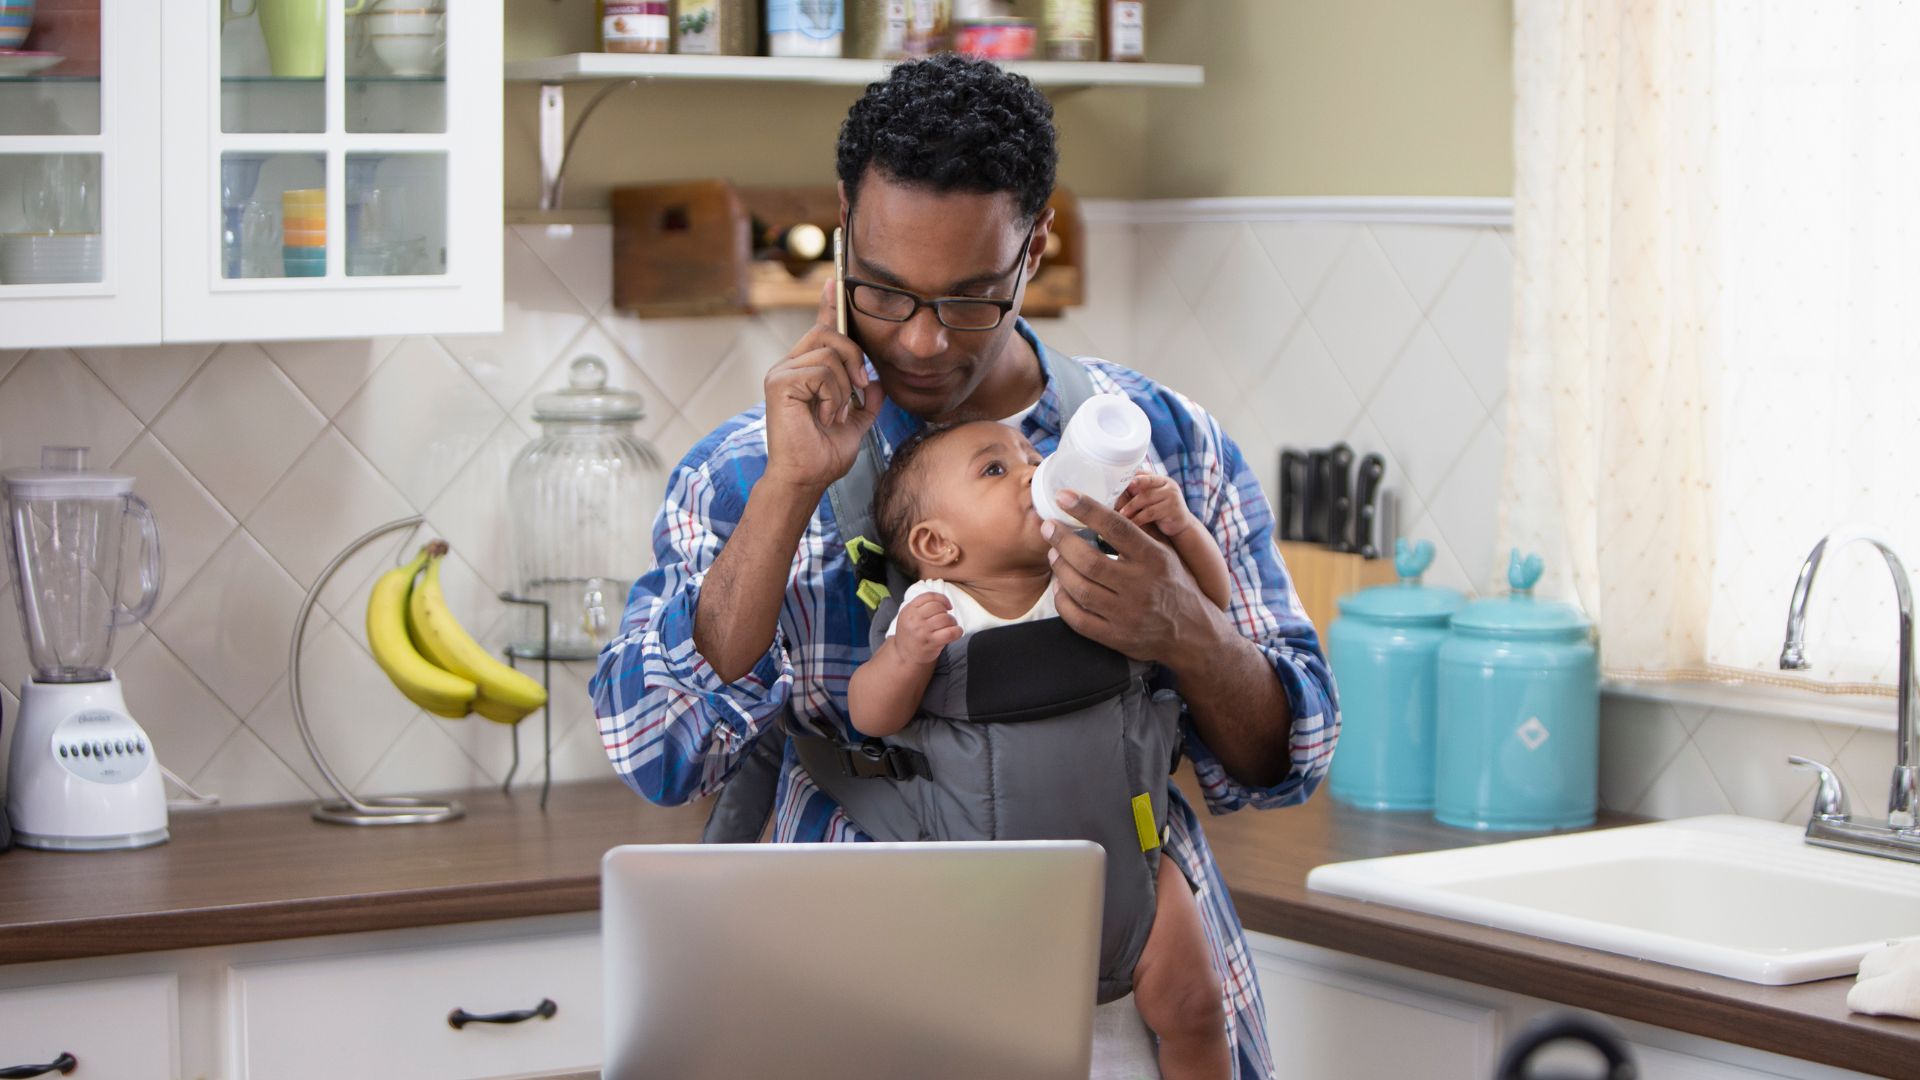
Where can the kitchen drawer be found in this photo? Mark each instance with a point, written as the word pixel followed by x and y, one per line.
pixel 117 1029
pixel 386 1013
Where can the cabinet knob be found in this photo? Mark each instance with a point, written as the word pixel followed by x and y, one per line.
pixel 460 1018
pixel 63 1065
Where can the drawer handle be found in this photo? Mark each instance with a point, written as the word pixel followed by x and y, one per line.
pixel 460 1018
pixel 63 1065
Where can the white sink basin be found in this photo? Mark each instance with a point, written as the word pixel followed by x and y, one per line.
pixel 1732 896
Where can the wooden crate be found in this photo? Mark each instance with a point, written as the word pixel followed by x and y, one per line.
pixel 685 248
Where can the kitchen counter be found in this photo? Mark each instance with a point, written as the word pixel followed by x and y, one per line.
pixel 266 873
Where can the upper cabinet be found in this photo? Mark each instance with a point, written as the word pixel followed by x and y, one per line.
pixel 257 169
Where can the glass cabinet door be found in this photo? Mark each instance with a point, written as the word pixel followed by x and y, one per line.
pixel 79 194
pixel 345 169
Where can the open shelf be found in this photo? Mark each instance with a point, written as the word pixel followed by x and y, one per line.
pixel 590 67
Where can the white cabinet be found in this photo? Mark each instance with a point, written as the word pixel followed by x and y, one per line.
pixel 1331 1016
pixel 385 1013
pixel 122 1029
pixel 254 169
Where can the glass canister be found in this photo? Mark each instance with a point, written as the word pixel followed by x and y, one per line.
pixel 1519 725
pixel 583 497
pixel 1385 651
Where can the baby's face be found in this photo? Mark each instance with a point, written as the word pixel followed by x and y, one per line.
pixel 981 476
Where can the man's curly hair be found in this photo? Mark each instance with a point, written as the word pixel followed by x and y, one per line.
pixel 953 124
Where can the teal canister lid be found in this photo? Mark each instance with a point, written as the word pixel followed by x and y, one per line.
pixel 1520 614
pixel 1407 602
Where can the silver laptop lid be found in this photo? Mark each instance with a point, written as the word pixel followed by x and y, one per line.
pixel 817 961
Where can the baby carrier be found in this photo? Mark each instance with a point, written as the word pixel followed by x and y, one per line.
pixel 1026 732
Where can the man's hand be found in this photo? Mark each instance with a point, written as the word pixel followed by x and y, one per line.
pixel 1152 499
pixel 925 627
pixel 1142 603
pixel 814 427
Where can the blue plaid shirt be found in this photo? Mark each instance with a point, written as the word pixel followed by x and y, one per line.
pixel 676 732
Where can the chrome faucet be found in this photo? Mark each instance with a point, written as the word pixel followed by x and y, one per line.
pixel 1832 823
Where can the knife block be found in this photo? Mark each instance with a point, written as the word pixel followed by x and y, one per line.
pixel 686 248
pixel 1321 576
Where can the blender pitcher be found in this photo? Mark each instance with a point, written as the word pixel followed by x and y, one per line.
pixel 64 530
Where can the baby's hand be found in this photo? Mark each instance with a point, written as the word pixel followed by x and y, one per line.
pixel 1152 499
pixel 924 627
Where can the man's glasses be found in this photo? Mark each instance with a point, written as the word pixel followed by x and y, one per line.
pixel 888 304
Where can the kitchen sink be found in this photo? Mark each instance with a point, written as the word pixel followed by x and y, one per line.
pixel 1732 896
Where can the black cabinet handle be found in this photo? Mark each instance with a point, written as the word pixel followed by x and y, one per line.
pixel 63 1065
pixel 460 1018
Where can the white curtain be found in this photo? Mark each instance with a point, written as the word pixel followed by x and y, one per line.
pixel 1715 357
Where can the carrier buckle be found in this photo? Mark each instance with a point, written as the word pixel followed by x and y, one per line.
pixel 873 758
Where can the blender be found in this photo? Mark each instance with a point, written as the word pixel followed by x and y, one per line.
pixel 82 776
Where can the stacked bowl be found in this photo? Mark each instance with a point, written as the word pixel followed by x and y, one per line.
pixel 303 232
pixel 16 19
pixel 49 258
pixel 409 36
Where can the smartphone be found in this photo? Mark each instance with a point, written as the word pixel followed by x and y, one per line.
pixel 840 298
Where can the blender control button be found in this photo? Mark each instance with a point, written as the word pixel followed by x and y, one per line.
pixel 63 751
pixel 86 749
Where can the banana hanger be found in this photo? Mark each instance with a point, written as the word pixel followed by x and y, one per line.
pixel 352 809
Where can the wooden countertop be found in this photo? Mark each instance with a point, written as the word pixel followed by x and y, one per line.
pixel 264 873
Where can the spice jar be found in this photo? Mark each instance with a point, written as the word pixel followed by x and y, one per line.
pixel 877 29
pixel 716 27
pixel 634 26
pixel 583 498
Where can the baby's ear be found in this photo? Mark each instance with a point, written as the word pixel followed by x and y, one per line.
pixel 931 547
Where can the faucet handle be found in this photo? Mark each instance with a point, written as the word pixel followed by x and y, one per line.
pixel 1831 800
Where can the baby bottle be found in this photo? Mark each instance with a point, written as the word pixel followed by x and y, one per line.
pixel 1103 447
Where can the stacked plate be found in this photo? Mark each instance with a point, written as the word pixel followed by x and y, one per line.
pixel 303 232
pixel 49 258
pixel 16 21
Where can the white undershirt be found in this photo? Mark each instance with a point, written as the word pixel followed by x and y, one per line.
pixel 970 613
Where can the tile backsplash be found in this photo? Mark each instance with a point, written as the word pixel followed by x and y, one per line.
pixel 263 460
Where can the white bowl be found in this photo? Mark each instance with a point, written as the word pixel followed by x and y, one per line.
pixel 408 22
pixel 42 258
pixel 410 54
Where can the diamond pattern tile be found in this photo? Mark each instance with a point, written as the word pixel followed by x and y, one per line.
pixel 1364 315
pixel 419 419
pixel 233 622
pixel 1247 312
pixel 185 720
pixel 1425 256
pixel 355 713
pixel 145 379
pixel 541 317
pixel 246 773
pixel 329 372
pixel 192 522
pixel 52 399
pixel 329 497
pixel 1748 757
pixel 677 354
pixel 473 509
pixel 1638 739
pixel 1685 788
pixel 1427 411
pixel 239 424
pixel 425 759
pixel 1474 313
pixel 581 256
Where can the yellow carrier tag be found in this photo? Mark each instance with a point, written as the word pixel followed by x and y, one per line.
pixel 1143 822
pixel 870 592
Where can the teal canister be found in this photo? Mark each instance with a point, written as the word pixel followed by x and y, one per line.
pixel 1385 650
pixel 1519 725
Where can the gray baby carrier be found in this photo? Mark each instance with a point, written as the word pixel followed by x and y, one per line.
pixel 1026 732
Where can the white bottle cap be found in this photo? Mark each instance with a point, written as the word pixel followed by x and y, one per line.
pixel 1111 430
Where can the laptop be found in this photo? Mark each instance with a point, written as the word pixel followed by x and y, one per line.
pixel 817 961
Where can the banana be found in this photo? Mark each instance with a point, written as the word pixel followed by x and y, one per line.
pixel 505 695
pixel 433 688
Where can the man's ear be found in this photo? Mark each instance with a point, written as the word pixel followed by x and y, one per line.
pixel 1042 226
pixel 931 548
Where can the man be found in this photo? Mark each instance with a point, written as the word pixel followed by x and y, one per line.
pixel 945 170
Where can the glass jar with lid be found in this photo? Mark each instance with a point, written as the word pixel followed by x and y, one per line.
pixel 582 499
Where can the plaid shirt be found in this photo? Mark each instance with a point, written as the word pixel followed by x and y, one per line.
pixel 675 731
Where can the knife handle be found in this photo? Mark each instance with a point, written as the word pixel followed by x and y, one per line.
pixel 1365 497
pixel 1340 498
pixel 1293 493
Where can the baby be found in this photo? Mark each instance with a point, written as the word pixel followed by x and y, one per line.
pixel 954 511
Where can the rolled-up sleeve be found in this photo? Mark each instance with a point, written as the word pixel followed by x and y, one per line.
pixel 673 730
pixel 1226 495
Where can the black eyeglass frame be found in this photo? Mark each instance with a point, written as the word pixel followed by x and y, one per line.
pixel 938 303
